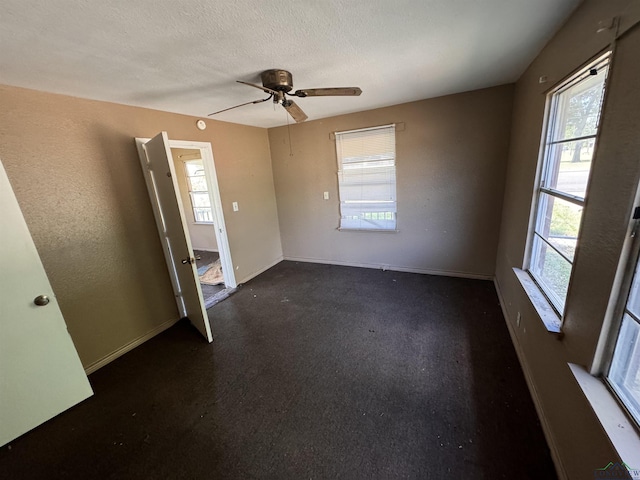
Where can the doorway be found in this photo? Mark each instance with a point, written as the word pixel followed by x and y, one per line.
pixel 161 177
pixel 198 203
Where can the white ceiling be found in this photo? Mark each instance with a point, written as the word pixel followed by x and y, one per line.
pixel 184 55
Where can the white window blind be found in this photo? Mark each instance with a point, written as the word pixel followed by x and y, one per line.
pixel 367 178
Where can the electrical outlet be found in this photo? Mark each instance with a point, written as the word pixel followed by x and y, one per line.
pixel 326 195
pixel 518 318
pixel 235 206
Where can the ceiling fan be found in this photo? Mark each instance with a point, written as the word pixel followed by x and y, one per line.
pixel 278 84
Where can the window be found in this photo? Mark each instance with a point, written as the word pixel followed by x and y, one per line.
pixel 367 178
pixel 197 183
pixel 624 372
pixel 568 145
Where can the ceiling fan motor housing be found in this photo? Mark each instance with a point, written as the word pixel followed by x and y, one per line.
pixel 279 80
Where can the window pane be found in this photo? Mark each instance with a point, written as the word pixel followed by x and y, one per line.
pixel 357 218
pixel 559 223
pixel 551 271
pixel 578 108
pixel 194 168
pixel 200 199
pixel 197 184
pixel 568 166
pixel 633 304
pixel 624 374
pixel 203 215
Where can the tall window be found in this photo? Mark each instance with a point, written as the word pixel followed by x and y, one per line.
pixel 197 183
pixel 572 125
pixel 367 178
pixel 624 373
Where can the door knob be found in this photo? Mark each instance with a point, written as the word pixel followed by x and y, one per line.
pixel 189 261
pixel 41 300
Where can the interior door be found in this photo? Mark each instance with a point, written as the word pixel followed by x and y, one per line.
pixel 160 175
pixel 40 371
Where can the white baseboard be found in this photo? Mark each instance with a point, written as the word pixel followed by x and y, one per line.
pixel 394 268
pixel 129 346
pixel 262 270
pixel 546 429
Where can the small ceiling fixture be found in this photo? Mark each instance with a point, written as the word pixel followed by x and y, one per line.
pixel 278 84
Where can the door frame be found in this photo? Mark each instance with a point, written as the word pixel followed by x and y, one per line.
pixel 219 225
pixel 206 153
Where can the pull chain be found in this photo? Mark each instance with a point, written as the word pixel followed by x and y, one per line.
pixel 289 133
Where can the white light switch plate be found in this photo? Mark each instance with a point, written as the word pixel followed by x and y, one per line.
pixel 235 206
pixel 326 195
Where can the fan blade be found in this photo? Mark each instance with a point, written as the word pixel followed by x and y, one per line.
pixel 295 111
pixel 242 105
pixel 327 92
pixel 264 89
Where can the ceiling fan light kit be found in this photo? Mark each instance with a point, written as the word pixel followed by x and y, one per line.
pixel 278 83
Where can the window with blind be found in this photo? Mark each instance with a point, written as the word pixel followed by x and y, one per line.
pixel 367 178
pixel 572 126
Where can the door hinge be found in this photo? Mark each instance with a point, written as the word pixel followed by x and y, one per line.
pixel 636 213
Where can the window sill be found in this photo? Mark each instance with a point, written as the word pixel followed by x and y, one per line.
pixel 547 314
pixel 367 230
pixel 621 432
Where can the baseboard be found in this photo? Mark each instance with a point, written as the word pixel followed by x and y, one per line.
pixel 394 268
pixel 129 346
pixel 546 429
pixel 262 270
pixel 206 250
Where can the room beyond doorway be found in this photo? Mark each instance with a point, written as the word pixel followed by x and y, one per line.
pixel 211 277
pixel 198 206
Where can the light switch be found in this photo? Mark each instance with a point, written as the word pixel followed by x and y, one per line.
pixel 326 195
pixel 235 206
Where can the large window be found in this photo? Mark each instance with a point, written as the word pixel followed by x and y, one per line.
pixel 624 372
pixel 367 178
pixel 568 145
pixel 197 183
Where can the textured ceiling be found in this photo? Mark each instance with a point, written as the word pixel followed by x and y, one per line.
pixel 184 56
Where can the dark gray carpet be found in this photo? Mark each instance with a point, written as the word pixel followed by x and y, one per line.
pixel 316 372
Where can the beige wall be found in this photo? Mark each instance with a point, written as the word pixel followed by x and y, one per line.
pixel 451 158
pixel 74 167
pixel 572 427
pixel 203 237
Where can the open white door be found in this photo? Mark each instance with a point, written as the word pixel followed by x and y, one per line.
pixel 160 175
pixel 40 371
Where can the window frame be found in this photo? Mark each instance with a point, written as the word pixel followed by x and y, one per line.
pixel 628 266
pixel 192 192
pixel 341 186
pixel 552 115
